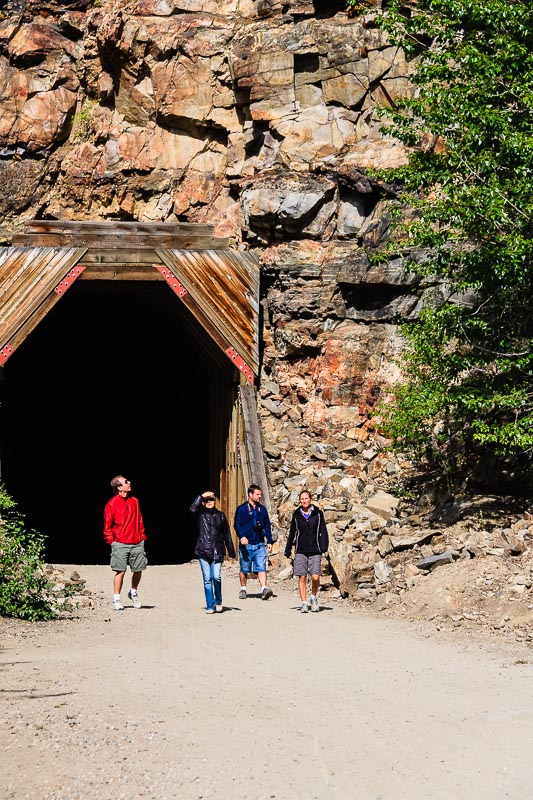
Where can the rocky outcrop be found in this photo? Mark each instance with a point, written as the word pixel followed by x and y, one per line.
pixel 206 99
pixel 260 118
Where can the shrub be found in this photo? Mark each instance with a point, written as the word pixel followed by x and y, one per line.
pixel 25 589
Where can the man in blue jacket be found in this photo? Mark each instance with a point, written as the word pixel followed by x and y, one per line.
pixel 252 525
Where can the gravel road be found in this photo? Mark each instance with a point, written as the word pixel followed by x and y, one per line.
pixel 257 703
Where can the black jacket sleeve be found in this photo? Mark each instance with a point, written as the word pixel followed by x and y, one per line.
pixel 290 539
pixel 228 541
pixel 196 504
pixel 323 537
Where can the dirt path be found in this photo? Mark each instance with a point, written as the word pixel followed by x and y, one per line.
pixel 256 703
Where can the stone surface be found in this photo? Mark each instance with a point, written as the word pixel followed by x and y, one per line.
pixel 382 572
pixel 405 542
pixel 430 562
pixel 383 504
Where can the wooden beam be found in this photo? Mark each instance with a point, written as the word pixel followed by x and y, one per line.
pixel 131 258
pixel 77 226
pixel 121 272
pixel 121 241
pixel 254 445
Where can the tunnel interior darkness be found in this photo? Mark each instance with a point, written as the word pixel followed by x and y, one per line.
pixel 110 382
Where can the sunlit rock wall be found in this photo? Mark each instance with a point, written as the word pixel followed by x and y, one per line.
pixel 259 117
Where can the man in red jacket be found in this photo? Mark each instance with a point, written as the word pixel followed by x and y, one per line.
pixel 124 531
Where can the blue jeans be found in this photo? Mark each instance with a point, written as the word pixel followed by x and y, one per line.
pixel 252 558
pixel 211 573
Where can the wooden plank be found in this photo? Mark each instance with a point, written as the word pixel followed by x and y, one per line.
pixel 207 312
pixel 131 257
pixel 254 444
pixel 235 479
pixel 36 277
pixel 216 276
pixel 33 320
pixel 121 272
pixel 112 240
pixel 77 226
pixel 34 274
pixel 244 464
pixel 20 262
pixel 223 307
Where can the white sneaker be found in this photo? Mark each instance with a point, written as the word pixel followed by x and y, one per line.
pixel 210 611
pixel 304 608
pixel 134 597
pixel 314 604
pixel 218 608
pixel 117 605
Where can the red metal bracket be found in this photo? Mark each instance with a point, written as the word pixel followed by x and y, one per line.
pixel 171 279
pixel 5 352
pixel 240 363
pixel 68 280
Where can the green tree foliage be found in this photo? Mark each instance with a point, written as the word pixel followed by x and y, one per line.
pixel 468 364
pixel 25 590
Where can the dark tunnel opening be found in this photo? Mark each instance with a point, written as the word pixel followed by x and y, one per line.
pixel 110 382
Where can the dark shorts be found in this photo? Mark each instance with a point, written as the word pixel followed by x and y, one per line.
pixel 123 555
pixel 306 565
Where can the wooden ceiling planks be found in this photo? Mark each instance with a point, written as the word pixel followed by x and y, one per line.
pixel 28 277
pixel 223 294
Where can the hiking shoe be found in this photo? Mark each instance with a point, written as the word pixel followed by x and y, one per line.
pixel 304 608
pixel 314 604
pixel 117 605
pixel 210 611
pixel 218 608
pixel 134 597
pixel 266 593
pixel 242 594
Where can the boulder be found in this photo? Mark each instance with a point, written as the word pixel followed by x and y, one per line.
pixel 358 570
pixel 430 562
pixel 382 572
pixel 415 539
pixel 383 504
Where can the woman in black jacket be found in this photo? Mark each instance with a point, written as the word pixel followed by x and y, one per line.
pixel 309 536
pixel 214 538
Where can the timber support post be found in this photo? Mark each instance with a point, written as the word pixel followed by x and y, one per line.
pixel 254 444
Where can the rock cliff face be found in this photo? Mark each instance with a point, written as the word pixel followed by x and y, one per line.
pixel 259 117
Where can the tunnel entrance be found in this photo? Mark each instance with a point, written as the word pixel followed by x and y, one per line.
pixel 126 348
pixel 111 382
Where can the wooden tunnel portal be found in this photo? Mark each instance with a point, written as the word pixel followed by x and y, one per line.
pixel 126 348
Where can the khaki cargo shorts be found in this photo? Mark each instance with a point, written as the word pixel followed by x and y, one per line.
pixel 123 555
